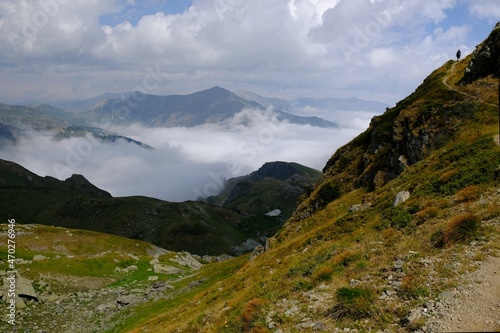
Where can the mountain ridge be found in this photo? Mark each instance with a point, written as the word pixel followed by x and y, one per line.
pixel 212 105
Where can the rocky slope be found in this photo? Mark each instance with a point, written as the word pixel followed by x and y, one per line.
pixel 80 281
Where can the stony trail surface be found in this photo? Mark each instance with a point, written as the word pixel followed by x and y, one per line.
pixel 475 305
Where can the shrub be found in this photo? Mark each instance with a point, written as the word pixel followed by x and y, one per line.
pixel 460 229
pixel 327 193
pixel 412 287
pixel 355 303
pixel 396 217
pixel 303 285
pixel 428 213
pixel 344 258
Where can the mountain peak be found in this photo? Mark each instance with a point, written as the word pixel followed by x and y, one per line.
pixel 278 170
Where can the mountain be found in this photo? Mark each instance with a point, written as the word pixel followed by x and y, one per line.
pixel 275 186
pixel 16 121
pixel 386 238
pixel 299 105
pixel 208 106
pixel 76 106
pixel 193 226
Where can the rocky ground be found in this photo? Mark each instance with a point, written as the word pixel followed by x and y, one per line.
pixel 474 305
pixel 99 305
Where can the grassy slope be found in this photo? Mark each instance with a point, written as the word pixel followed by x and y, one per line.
pixel 322 253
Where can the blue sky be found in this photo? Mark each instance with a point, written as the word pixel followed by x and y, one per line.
pixel 371 49
pixel 135 10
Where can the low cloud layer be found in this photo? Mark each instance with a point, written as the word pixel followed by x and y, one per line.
pixel 187 162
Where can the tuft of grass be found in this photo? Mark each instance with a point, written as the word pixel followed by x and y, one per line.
pixel 323 274
pixel 354 303
pixel 427 213
pixel 412 287
pixel 469 193
pixel 460 229
pixel 253 317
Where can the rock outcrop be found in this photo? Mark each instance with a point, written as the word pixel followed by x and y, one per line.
pixel 485 59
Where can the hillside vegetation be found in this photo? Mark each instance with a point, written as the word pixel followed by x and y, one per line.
pixel 349 258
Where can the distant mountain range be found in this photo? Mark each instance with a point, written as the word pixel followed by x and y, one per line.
pixel 17 121
pixel 212 105
pixel 297 106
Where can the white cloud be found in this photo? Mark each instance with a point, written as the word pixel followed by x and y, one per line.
pixel 187 162
pixel 292 48
pixel 485 8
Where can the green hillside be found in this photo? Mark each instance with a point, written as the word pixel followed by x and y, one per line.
pixel 193 226
pixel 349 258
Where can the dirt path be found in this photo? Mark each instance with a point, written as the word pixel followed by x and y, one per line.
pixel 447 84
pixel 475 305
pixel 496 138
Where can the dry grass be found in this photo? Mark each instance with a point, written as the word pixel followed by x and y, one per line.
pixel 470 193
pixel 251 315
pixel 460 229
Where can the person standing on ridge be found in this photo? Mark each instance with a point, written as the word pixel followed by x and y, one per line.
pixel 459 53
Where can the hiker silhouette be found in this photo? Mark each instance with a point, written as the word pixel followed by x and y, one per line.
pixel 459 53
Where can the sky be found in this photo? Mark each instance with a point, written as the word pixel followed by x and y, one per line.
pixel 371 49
pixel 75 49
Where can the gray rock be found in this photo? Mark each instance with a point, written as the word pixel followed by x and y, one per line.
pixel 485 59
pixel 223 257
pixel 257 252
pixel 127 299
pixel 358 208
pixel 165 269
pixel 187 259
pixel 401 197
pixel 24 287
pixel 318 326
pixel 398 265
pixel 38 257
pixel 414 315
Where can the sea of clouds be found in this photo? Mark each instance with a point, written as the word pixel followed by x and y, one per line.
pixel 186 163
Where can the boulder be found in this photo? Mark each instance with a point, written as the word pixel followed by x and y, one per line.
pixel 165 269
pixel 127 299
pixel 401 197
pixel 187 259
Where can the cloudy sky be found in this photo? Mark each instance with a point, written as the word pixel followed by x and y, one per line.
pixel 372 49
pixel 73 49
